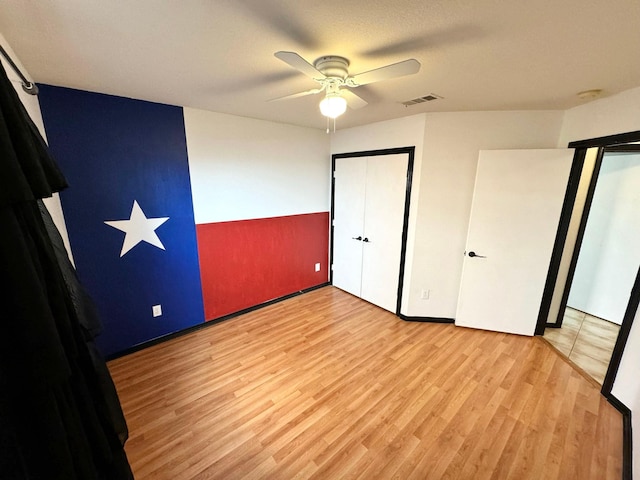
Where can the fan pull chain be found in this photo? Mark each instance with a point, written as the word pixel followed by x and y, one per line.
pixel 329 125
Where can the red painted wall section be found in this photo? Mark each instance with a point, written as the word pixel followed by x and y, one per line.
pixel 248 262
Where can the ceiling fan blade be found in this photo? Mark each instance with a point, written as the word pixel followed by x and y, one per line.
pixel 296 95
pixel 296 61
pixel 353 100
pixel 400 69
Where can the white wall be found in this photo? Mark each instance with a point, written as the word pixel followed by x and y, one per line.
pixel 447 147
pixel 610 251
pixel 32 106
pixel 243 168
pixel 446 156
pixel 452 142
pixel 402 132
pixel 609 116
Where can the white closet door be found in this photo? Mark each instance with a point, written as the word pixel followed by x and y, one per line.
pixel 383 220
pixel 348 223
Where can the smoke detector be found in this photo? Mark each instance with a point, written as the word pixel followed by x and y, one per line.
pixel 590 94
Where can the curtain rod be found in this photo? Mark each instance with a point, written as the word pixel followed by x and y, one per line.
pixel 29 87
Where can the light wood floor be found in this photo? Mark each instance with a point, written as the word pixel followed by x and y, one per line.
pixel 586 340
pixel 327 386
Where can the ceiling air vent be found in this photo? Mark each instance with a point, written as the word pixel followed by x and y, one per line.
pixel 426 98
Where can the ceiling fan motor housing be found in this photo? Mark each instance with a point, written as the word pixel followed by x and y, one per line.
pixel 332 66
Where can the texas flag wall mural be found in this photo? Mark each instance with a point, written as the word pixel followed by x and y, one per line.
pixel 128 210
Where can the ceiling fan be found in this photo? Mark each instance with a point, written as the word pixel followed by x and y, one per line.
pixel 332 73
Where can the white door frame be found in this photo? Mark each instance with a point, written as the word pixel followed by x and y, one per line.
pixel 410 151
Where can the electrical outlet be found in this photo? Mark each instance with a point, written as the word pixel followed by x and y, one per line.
pixel 424 294
pixel 317 267
pixel 157 310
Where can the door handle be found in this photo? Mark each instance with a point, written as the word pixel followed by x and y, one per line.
pixel 365 240
pixel 357 238
pixel 474 254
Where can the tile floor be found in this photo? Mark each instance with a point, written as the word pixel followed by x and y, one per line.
pixel 586 340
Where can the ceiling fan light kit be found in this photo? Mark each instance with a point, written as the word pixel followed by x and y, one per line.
pixel 332 73
pixel 333 105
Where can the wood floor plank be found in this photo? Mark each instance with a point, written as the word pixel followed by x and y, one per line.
pixel 325 385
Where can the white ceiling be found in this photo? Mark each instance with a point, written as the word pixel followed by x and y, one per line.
pixel 218 54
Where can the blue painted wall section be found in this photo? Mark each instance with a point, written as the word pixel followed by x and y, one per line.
pixel 115 151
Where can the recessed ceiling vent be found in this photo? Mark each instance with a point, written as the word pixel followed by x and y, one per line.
pixel 426 98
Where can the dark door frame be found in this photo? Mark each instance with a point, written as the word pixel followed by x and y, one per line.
pixel 581 148
pixel 602 151
pixel 602 143
pixel 410 151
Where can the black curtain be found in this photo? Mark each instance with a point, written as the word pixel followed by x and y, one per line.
pixel 60 417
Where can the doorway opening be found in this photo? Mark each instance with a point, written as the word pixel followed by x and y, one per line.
pixel 604 262
pixel 596 258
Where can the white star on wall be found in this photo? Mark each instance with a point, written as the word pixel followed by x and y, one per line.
pixel 138 229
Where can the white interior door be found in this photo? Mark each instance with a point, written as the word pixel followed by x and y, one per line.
pixel 348 223
pixel 384 217
pixel 514 218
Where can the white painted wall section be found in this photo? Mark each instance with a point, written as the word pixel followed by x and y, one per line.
pixel 243 168
pixel 452 142
pixel 607 116
pixel 32 106
pixel 447 148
